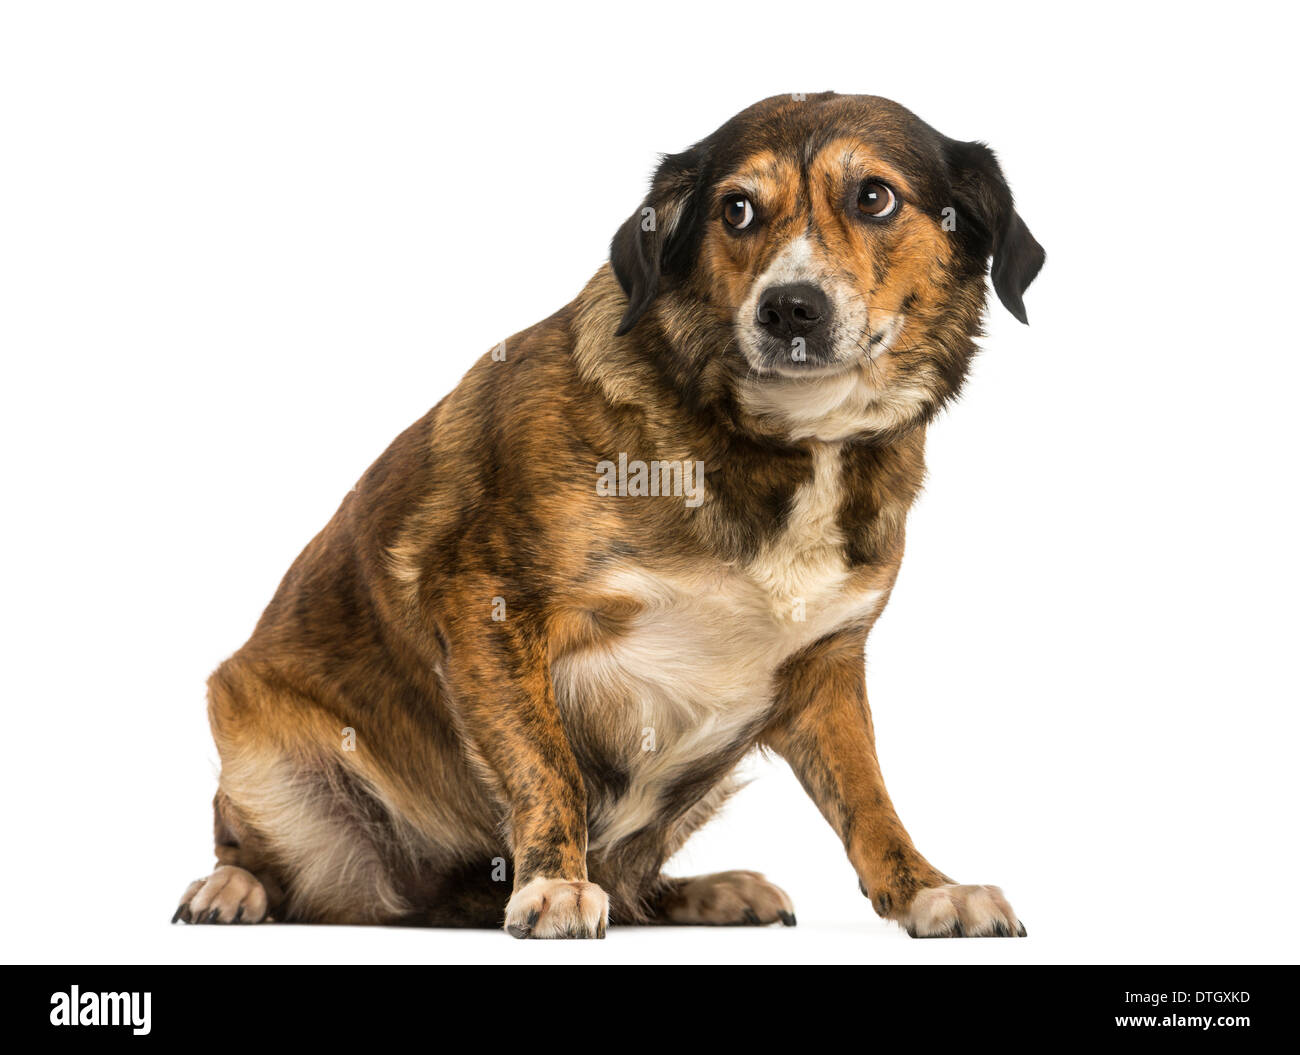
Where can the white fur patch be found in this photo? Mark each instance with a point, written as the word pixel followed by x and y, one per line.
pixel 833 407
pixel 338 872
pixel 696 665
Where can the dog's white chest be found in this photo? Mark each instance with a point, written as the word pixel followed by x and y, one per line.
pixel 692 673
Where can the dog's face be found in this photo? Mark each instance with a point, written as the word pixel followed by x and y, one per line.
pixel 822 261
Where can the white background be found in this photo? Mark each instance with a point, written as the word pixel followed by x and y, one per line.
pixel 243 245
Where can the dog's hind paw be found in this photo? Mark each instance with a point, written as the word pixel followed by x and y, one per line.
pixel 728 899
pixel 229 895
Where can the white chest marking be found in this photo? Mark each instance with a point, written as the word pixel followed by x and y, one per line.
pixel 695 667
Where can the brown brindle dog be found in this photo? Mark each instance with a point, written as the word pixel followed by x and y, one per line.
pixel 645 536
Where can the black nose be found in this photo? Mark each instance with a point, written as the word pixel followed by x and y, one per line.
pixel 793 310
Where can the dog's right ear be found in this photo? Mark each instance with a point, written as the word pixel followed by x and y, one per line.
pixel 657 239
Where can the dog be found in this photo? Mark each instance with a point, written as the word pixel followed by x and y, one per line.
pixel 640 539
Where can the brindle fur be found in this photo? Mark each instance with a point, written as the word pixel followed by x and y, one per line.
pixel 464 761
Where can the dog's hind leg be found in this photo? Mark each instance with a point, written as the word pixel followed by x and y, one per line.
pixel 300 834
pixel 311 849
pixel 301 846
pixel 235 892
pixel 229 895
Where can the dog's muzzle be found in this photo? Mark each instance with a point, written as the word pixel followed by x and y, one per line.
pixel 794 320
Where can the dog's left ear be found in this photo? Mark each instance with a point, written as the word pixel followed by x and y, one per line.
pixel 656 239
pixel 984 202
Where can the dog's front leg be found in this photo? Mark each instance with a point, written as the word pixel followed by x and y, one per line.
pixel 823 729
pixel 508 713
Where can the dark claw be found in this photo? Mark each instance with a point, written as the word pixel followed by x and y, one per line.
pixel 525 929
pixel 179 910
pixel 958 931
pixel 788 920
pixel 239 914
pixel 212 916
pixel 1000 929
pixel 751 917
pixel 1022 933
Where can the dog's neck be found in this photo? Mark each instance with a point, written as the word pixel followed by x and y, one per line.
pixel 753 471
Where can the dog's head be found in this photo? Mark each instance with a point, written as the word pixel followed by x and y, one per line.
pixel 822 261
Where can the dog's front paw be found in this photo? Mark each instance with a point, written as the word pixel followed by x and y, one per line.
pixel 557 908
pixel 955 911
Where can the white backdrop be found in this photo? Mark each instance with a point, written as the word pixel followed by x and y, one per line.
pixel 243 245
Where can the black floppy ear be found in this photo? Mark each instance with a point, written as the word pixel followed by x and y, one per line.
pixel 659 237
pixel 985 204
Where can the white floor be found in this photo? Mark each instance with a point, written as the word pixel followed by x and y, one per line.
pixel 1093 911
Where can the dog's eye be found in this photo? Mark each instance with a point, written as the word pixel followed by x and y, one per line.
pixel 738 212
pixel 876 200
